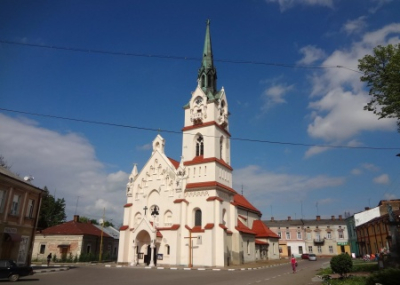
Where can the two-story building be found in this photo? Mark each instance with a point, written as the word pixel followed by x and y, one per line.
pixel 19 212
pixel 325 237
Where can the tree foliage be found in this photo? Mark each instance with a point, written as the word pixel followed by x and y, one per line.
pixel 381 71
pixel 84 219
pixel 52 211
pixel 341 264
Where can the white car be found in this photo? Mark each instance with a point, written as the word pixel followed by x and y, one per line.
pixel 312 257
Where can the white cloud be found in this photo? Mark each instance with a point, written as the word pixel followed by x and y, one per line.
pixel 355 26
pixel 388 196
pixel 315 150
pixel 261 182
pixel 338 115
pixel 275 95
pixel 382 179
pixel 379 4
pixel 310 54
pixel 370 167
pixel 356 171
pixel 144 147
pixel 326 201
pixel 67 165
pixel 287 4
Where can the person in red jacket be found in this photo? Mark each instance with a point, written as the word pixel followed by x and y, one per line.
pixel 293 262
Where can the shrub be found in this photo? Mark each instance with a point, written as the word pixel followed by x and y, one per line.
pixel 389 276
pixel 341 264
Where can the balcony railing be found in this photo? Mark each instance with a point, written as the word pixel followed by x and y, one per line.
pixel 319 241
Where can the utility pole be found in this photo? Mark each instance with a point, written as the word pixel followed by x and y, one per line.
pixel 101 239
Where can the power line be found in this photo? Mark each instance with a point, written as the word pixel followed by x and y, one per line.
pixel 177 57
pixel 179 132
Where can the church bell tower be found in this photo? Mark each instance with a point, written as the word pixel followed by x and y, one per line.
pixel 206 137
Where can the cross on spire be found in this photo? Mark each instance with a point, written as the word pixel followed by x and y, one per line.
pixel 145 209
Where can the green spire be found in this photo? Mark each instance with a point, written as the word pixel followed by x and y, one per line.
pixel 207 75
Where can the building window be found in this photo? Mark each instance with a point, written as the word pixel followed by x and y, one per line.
pixel 199 146
pixel 221 142
pixel 2 199
pixel 310 249
pixel 31 206
pixel 168 249
pixel 88 248
pixel 42 248
pixel 319 248
pixel 329 235
pixel 300 250
pixel 330 249
pixel 15 205
pixel 287 235
pixel 308 236
pixel 280 234
pixel 248 247
pixel 197 218
pixel 341 235
pixel 298 235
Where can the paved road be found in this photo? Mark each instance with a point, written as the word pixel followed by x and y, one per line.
pixel 99 275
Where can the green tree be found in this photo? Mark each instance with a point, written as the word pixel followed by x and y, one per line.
pixel 52 211
pixel 341 264
pixel 381 71
pixel 84 219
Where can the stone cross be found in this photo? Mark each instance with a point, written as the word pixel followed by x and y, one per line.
pixel 145 209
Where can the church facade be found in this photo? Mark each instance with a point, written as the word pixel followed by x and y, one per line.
pixel 186 212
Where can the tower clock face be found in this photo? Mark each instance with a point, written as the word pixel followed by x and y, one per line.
pixel 198 100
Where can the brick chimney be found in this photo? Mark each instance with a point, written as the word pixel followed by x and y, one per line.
pixel 318 218
pixel 76 218
pixel 340 217
pixel 289 218
pixel 333 218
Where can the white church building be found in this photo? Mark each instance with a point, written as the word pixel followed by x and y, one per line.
pixel 186 212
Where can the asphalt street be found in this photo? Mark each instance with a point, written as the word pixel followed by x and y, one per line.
pixel 110 275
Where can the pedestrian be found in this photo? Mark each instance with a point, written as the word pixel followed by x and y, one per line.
pixel 48 259
pixel 293 262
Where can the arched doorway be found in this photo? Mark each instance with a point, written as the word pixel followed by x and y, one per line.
pixel 143 250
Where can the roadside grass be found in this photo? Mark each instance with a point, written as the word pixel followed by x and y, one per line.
pixel 358 266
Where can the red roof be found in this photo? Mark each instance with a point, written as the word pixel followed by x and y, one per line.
pixel 174 162
pixel 122 228
pixel 262 230
pixel 209 184
pixel 200 159
pixel 261 242
pixel 177 201
pixel 242 228
pixel 209 226
pixel 74 228
pixel 213 198
pixel 206 125
pixel 174 227
pixel 240 200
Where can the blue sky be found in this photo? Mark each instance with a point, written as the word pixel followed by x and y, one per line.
pixel 88 164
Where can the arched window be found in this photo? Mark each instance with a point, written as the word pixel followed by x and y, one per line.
pixel 221 142
pixel 197 218
pixel 203 79
pixel 200 146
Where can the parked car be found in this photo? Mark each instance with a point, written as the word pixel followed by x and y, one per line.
pixel 10 270
pixel 312 257
pixel 304 256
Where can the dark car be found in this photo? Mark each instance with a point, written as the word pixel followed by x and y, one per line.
pixel 304 256
pixel 10 270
